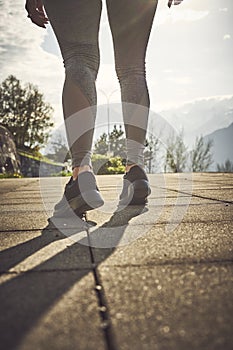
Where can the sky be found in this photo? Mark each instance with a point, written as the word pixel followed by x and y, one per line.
pixel 189 56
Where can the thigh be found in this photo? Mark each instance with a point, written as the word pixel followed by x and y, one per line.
pixel 74 21
pixel 130 23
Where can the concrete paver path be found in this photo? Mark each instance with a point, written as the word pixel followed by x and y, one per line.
pixel 153 277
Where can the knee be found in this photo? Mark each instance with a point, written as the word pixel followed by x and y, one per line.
pixel 130 73
pixel 79 71
pixel 81 62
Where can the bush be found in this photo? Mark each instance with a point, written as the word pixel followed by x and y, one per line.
pixel 116 166
pixel 102 165
pixel 9 175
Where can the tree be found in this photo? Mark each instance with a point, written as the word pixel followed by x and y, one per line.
pixel 151 150
pixel 116 143
pixel 25 113
pixel 201 156
pixel 59 151
pixel 101 145
pixel 227 167
pixel 176 154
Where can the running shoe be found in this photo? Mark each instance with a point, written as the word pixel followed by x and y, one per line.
pixel 80 196
pixel 136 187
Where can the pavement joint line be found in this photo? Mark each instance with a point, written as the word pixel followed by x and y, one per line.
pixel 37 190
pixel 7 272
pixel 174 263
pixel 213 188
pixel 22 230
pixel 106 324
pixel 199 196
pixel 23 211
pixel 210 182
pixel 165 263
pixel 207 222
pixel 25 185
pixel 3 204
pixel 218 187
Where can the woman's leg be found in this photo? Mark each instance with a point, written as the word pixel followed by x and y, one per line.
pixel 76 26
pixel 131 22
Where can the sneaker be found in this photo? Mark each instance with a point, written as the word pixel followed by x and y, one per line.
pixel 80 196
pixel 136 187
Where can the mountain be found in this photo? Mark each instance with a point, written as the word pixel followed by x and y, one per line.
pixel 212 117
pixel 201 117
pixel 222 145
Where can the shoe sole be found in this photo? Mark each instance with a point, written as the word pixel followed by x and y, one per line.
pixel 138 192
pixel 79 205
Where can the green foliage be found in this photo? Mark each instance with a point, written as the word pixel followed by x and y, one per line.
pixel 30 155
pixel 99 163
pixel 115 144
pixel 151 150
pixel 116 166
pixel 11 175
pixel 59 150
pixel 103 165
pixel 176 154
pixel 101 145
pixel 227 167
pixel 25 113
pixel 117 147
pixel 38 158
pixel 201 156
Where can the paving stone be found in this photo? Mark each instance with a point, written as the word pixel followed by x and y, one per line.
pixel 50 310
pixel 42 252
pixel 28 220
pixel 165 214
pixel 186 244
pixel 22 207
pixel 170 307
pixel 225 194
pixel 12 185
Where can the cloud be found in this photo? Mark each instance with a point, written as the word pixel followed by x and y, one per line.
pixel 185 80
pixel 226 37
pixel 22 55
pixel 176 15
pixel 108 88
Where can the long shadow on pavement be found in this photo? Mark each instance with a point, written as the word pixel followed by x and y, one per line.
pixel 26 297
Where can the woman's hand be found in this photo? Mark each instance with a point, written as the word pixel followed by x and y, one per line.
pixel 36 12
pixel 174 2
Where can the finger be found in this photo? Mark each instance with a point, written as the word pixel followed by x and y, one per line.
pixel 169 3
pixel 38 23
pixel 30 6
pixel 42 16
pixel 177 2
pixel 174 2
pixel 36 19
pixel 40 8
pixel 36 16
pixel 39 3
